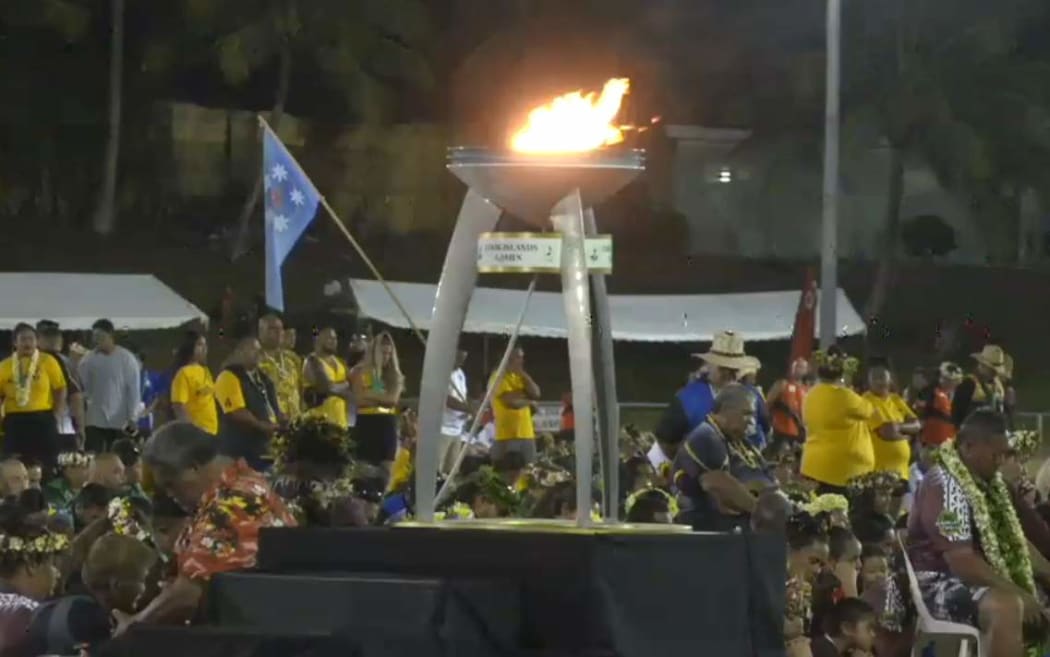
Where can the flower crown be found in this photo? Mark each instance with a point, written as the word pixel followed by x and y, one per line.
pixel 284 447
pixel 122 519
pixel 826 503
pixel 838 361
pixel 874 480
pixel 1024 442
pixel 458 511
pixel 491 486
pixel 75 459
pixel 42 546
pixel 672 503
pixel 544 475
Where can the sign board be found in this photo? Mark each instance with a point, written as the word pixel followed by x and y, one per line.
pixel 547 418
pixel 516 253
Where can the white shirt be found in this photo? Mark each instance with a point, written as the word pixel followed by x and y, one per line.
pixel 453 421
pixel 657 456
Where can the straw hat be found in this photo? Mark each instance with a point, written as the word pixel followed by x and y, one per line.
pixel 727 350
pixel 992 356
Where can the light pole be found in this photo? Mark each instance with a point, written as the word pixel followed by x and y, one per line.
pixel 829 222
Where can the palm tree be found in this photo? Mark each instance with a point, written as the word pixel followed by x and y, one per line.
pixel 105 219
pixel 357 49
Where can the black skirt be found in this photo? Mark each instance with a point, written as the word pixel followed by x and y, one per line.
pixel 376 437
pixel 32 436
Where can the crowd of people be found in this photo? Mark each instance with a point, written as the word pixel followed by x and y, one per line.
pixel 124 490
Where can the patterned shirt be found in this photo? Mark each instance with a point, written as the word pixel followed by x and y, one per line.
pixel 285 369
pixel 940 520
pixel 223 535
pixel 16 612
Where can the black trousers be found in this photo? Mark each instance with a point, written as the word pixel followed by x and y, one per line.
pixel 32 437
pixel 98 439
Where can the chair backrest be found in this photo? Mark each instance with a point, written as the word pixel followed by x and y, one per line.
pixel 913 583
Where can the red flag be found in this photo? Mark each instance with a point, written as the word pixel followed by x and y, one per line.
pixel 805 320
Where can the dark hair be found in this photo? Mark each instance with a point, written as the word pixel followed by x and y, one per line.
pixel 17 521
pixel 165 507
pixel 317 442
pixel 104 325
pixel 21 328
pixel 839 541
pixel 370 489
pixel 93 495
pixel 871 527
pixel 982 424
pixel 556 500
pixel 803 530
pixel 872 551
pixel 127 451
pixel 32 500
pixel 647 505
pixel 629 471
pixel 184 352
pixel 48 329
pixel 772 509
pixel 847 611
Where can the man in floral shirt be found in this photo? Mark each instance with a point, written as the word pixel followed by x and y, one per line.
pixel 229 503
pixel 970 555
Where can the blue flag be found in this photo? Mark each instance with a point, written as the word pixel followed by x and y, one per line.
pixel 291 204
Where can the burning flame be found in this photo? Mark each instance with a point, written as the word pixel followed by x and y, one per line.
pixel 574 122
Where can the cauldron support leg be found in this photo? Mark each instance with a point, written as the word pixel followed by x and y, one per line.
pixel 459 277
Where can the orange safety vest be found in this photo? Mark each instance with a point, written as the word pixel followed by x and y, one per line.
pixel 791 395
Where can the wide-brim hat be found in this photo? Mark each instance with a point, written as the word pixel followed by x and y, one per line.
pixel 727 350
pixel 992 356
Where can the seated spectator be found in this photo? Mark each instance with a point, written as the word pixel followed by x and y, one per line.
pixel 27 575
pixel 14 478
pixel 965 542
pixel 62 490
pixel 717 472
pixel 230 502
pixel 839 579
pixel 107 470
pixel 311 461
pixel 90 505
pixel 131 458
pixel 874 568
pixel 651 505
pixel 807 557
pixel 169 520
pixel 849 631
pixel 115 576
pixel 488 495
pixel 557 502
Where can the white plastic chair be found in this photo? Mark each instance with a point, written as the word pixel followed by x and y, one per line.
pixel 928 627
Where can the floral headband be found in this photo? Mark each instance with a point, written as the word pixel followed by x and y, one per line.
pixel 848 364
pixel 122 519
pixel 672 503
pixel 283 445
pixel 75 459
pixel 491 486
pixel 826 503
pixel 1024 442
pixel 545 475
pixel 42 546
pixel 873 480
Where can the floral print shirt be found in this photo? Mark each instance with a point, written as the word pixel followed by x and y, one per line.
pixel 223 535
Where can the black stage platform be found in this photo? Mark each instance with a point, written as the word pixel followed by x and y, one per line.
pixel 469 589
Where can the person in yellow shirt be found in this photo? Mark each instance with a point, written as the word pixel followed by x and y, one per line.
pixel 248 401
pixel 512 401
pixel 328 393
pixel 33 390
pixel 377 384
pixel 891 424
pixel 192 388
pixel 283 366
pixel 838 445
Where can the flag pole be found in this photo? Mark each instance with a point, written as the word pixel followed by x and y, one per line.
pixel 360 251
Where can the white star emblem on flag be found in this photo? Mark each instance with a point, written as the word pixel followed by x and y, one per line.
pixel 297 197
pixel 280 223
pixel 279 173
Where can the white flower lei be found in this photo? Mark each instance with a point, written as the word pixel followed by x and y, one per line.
pixel 24 384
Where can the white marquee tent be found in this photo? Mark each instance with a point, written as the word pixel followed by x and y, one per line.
pixel 76 301
pixel 639 318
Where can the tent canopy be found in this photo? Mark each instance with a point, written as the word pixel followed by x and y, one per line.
pixel 639 318
pixel 131 301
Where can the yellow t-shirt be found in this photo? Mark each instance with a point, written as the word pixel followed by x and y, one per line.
pixel 401 470
pixel 368 379
pixel 47 380
pixel 230 395
pixel 194 388
pixel 890 455
pixel 511 423
pixel 333 408
pixel 838 445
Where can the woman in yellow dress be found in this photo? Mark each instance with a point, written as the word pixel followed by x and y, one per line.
pixel 891 424
pixel 327 392
pixel 838 445
pixel 377 384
